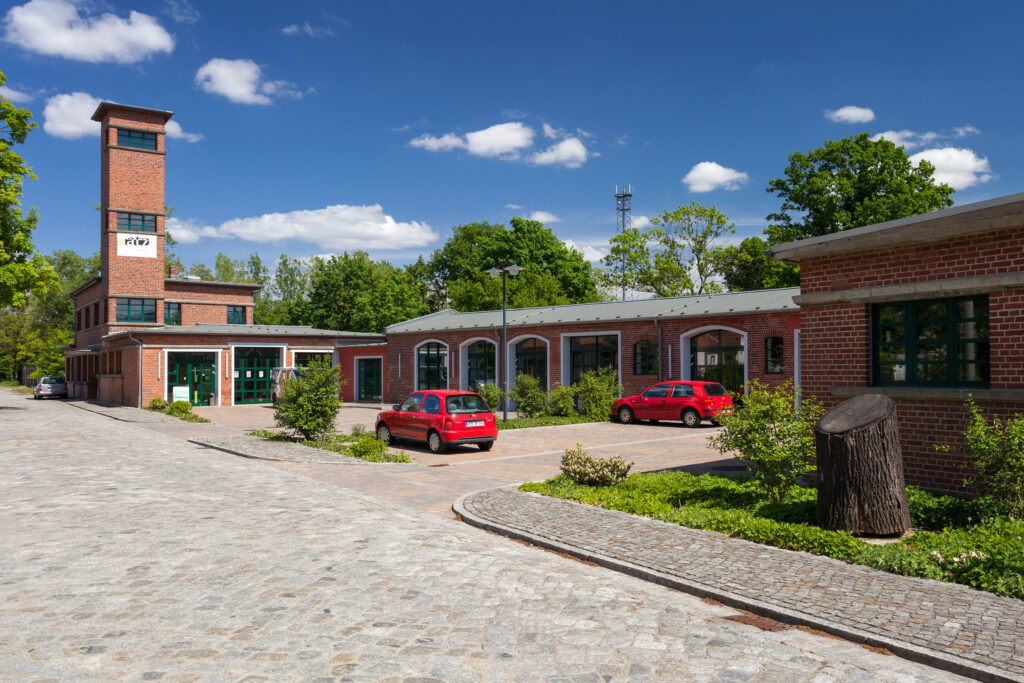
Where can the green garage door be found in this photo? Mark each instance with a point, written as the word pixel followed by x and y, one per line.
pixel 252 373
pixel 195 371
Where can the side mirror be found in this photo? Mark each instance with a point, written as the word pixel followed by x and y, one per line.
pixel 394 407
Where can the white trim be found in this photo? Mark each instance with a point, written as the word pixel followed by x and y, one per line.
pixel 355 376
pixel 565 370
pixel 510 358
pixel 464 360
pixel 684 350
pixel 415 358
pixel 231 352
pixel 216 375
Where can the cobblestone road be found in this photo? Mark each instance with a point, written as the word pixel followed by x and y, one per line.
pixel 127 554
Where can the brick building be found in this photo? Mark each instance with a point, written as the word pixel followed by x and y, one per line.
pixel 926 310
pixel 141 335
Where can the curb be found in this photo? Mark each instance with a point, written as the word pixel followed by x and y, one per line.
pixel 198 440
pixel 939 660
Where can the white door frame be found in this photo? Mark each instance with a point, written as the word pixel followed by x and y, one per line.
pixel 355 376
pixel 685 371
pixel 464 360
pixel 166 363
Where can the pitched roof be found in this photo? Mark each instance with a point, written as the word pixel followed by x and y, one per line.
pixel 607 311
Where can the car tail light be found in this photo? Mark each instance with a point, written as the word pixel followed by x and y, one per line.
pixel 448 423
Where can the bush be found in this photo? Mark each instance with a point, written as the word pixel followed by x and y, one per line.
pixel 178 408
pixel 368 447
pixel 588 470
pixel 530 400
pixel 309 403
pixel 492 394
pixel 997 457
pixel 562 401
pixel 597 390
pixel 157 404
pixel 771 437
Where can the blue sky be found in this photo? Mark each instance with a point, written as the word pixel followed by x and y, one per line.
pixel 316 127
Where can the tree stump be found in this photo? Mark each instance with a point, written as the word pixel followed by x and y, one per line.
pixel 860 468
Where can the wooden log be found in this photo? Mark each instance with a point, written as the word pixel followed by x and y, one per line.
pixel 860 468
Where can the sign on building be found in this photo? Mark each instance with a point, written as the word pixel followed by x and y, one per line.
pixel 136 245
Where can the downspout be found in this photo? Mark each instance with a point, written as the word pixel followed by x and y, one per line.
pixel 657 324
pixel 138 402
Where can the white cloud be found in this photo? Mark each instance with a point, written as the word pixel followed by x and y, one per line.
pixel 640 222
pixel 182 12
pixel 15 96
pixel 513 206
pixel 621 141
pixel 499 140
pixel 58 29
pixel 707 176
pixel 446 142
pixel 909 139
pixel 334 228
pixel 241 81
pixel 569 152
pixel 959 168
pixel 850 114
pixel 552 132
pixel 544 217
pixel 307 29
pixel 590 253
pixel 69 115
pixel 964 131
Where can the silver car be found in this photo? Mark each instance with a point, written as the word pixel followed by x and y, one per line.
pixel 49 387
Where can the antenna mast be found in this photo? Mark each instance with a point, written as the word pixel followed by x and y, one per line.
pixel 623 206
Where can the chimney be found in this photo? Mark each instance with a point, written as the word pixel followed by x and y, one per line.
pixel 172 271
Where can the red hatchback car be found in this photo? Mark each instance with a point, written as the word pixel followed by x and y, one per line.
pixel 441 419
pixel 690 402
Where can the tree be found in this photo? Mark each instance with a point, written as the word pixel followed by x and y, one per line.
pixel 285 301
pixel 745 267
pixel 675 256
pixel 850 183
pixel 22 269
pixel 310 403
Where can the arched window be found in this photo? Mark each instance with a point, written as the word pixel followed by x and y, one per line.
pixel 532 360
pixel 432 366
pixel 718 356
pixel 773 356
pixel 480 364
pixel 645 356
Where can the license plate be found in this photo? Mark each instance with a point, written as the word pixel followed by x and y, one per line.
pixel 474 423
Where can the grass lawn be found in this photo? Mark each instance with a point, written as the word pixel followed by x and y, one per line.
pixel 16 387
pixel 342 444
pixel 546 421
pixel 956 539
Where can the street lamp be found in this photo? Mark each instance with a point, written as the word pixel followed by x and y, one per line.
pixel 502 272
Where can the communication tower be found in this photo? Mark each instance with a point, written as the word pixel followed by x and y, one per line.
pixel 623 202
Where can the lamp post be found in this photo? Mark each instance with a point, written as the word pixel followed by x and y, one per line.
pixel 495 272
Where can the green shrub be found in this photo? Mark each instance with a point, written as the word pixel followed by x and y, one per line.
pixel 771 437
pixel 492 394
pixel 937 511
pixel 996 452
pixel 309 403
pixel 179 408
pixel 562 401
pixel 367 447
pixel 531 401
pixel 597 390
pixel 157 404
pixel 584 468
pixel 543 421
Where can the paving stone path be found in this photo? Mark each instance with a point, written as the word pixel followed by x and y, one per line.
pixel 283 451
pixel 126 413
pixel 129 554
pixel 950 625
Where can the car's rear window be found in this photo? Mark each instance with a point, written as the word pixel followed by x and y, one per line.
pixel 53 380
pixel 715 390
pixel 465 403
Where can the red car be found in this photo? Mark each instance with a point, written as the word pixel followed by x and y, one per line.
pixel 690 402
pixel 441 419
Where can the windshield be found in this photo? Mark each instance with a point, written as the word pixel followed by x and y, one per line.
pixel 465 403
pixel 715 390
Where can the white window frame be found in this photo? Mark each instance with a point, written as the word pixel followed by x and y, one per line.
pixel 564 341
pixel 510 358
pixel 464 360
pixel 416 360
pixel 355 376
pixel 686 372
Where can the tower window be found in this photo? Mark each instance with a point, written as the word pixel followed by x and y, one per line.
pixel 236 315
pixel 133 138
pixel 136 221
pixel 136 310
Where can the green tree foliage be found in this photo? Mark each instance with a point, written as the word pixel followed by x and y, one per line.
pixel 22 269
pixel 745 267
pixel 354 293
pixel 284 298
pixel 675 256
pixel 554 274
pixel 310 402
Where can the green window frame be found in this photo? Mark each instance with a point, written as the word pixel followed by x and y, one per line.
pixel 592 352
pixel 431 366
pixel 136 221
pixel 236 315
pixel 645 355
pixel 773 355
pixel 931 342
pixel 172 313
pixel 136 310
pixel 136 139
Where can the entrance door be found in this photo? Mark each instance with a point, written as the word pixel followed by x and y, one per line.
pixel 252 373
pixel 196 372
pixel 368 380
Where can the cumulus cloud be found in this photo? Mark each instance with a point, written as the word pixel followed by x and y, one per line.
pixel 909 139
pixel 69 116
pixel 334 228
pixel 544 217
pixel 708 175
pixel 503 139
pixel 182 12
pixel 570 153
pixel 15 96
pixel 589 252
pixel 307 29
pixel 511 142
pixel 850 114
pixel 57 28
pixel 241 81
pixel 640 222
pixel 959 168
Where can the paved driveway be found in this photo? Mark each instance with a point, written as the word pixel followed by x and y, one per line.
pixel 128 554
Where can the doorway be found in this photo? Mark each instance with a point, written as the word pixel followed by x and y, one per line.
pixel 192 374
pixel 252 373
pixel 369 387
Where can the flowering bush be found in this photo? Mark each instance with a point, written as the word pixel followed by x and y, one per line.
pixel 588 470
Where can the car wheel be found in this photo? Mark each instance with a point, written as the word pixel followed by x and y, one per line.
pixel 626 415
pixel 485 445
pixel 434 443
pixel 384 433
pixel 691 418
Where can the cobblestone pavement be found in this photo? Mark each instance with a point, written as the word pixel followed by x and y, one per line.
pixel 127 414
pixel 132 555
pixel 968 627
pixel 283 451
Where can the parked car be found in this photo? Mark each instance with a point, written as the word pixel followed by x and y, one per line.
pixel 49 387
pixel 440 419
pixel 690 402
pixel 278 376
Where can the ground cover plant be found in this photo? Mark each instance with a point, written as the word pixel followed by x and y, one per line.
pixel 179 409
pixel 359 443
pixel 543 421
pixel 957 539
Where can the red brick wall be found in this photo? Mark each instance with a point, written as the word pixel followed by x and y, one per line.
pixel 208 303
